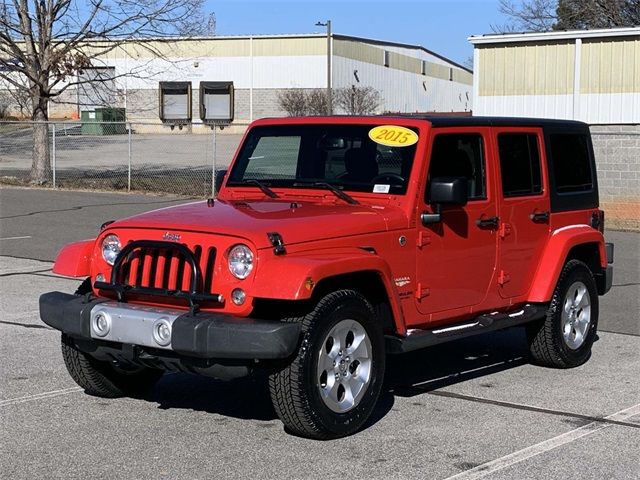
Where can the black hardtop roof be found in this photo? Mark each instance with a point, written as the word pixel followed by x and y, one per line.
pixel 455 120
pixel 465 120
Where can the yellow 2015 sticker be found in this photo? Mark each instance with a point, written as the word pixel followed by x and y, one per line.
pixel 393 136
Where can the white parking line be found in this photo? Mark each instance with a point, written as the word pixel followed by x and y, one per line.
pixel 39 396
pixel 498 464
pixel 15 238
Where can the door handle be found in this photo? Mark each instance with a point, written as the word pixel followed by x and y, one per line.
pixel 488 222
pixel 539 216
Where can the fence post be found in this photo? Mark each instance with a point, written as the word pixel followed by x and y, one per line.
pixel 53 153
pixel 129 162
pixel 213 164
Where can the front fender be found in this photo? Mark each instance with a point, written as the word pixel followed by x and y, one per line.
pixel 292 277
pixel 74 260
pixel 555 255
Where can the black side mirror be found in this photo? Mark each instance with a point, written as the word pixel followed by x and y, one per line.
pixel 448 191
pixel 445 191
pixel 219 179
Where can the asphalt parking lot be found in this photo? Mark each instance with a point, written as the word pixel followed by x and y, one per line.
pixel 471 409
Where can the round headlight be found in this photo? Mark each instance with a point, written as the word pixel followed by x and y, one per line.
pixel 110 248
pixel 240 261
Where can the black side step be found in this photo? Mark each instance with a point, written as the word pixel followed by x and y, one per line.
pixel 487 322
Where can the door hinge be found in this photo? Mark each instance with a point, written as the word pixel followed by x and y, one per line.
pixel 503 278
pixel 423 240
pixel 421 292
pixel 505 229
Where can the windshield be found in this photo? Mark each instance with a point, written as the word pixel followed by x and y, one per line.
pixel 312 156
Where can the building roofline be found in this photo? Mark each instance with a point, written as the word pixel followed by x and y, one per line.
pixel 295 35
pixel 403 45
pixel 553 36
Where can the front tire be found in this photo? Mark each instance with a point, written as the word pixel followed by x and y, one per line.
pixel 565 337
pixel 331 387
pixel 104 379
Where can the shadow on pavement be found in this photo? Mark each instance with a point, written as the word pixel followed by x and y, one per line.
pixel 407 375
pixel 455 362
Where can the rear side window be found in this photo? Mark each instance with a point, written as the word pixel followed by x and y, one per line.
pixel 519 164
pixel 571 163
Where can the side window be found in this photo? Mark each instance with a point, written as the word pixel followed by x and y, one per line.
pixel 519 164
pixel 460 155
pixel 571 163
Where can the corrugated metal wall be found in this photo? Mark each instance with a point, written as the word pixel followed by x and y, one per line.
pixel 536 69
pixel 413 80
pixel 596 80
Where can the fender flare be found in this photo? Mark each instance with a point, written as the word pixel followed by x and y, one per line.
pixel 555 255
pixel 74 259
pixel 286 277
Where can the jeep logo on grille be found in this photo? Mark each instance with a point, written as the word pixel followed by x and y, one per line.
pixel 171 237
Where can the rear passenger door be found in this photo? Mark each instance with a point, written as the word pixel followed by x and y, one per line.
pixel 523 204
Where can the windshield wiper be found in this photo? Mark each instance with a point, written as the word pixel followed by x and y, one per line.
pixel 336 191
pixel 266 190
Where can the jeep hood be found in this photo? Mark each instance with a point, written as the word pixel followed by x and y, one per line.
pixel 296 221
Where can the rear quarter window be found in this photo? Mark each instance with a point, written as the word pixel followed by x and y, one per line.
pixel 571 163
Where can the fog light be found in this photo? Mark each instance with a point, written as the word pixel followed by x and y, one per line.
pixel 101 324
pixel 238 296
pixel 162 332
pixel 100 278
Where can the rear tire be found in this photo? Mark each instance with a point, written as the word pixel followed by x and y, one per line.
pixel 565 337
pixel 105 379
pixel 331 387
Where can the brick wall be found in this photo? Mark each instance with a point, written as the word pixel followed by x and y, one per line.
pixel 617 151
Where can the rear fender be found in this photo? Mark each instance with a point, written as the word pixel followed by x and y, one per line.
pixel 555 256
pixel 293 277
pixel 74 260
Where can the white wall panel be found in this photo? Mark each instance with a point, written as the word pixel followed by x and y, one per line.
pixel 593 108
pixel 404 91
pixel 268 72
pixel 538 106
pixel 610 108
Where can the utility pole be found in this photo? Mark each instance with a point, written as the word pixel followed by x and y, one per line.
pixel 329 92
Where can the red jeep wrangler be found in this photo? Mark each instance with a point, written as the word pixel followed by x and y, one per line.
pixel 337 240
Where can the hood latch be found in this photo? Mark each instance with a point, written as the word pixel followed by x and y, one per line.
pixel 278 244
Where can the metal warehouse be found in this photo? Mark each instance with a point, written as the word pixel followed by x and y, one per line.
pixel 587 75
pixel 408 78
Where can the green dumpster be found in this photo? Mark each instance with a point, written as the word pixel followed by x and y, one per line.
pixel 98 121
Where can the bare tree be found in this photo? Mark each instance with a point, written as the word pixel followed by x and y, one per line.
pixel 546 15
pixel 358 100
pixel 582 14
pixel 45 44
pixel 527 16
pixel 4 106
pixel 294 102
pixel 317 103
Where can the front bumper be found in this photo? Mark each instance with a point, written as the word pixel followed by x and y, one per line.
pixel 201 335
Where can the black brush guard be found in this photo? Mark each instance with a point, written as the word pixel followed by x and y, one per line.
pixel 195 295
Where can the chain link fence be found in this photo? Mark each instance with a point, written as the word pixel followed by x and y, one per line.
pixel 125 156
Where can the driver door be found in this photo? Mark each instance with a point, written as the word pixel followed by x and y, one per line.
pixel 456 257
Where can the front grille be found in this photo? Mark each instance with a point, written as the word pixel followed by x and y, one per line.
pixel 166 268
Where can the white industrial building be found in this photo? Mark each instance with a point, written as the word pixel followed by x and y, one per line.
pixel 409 78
